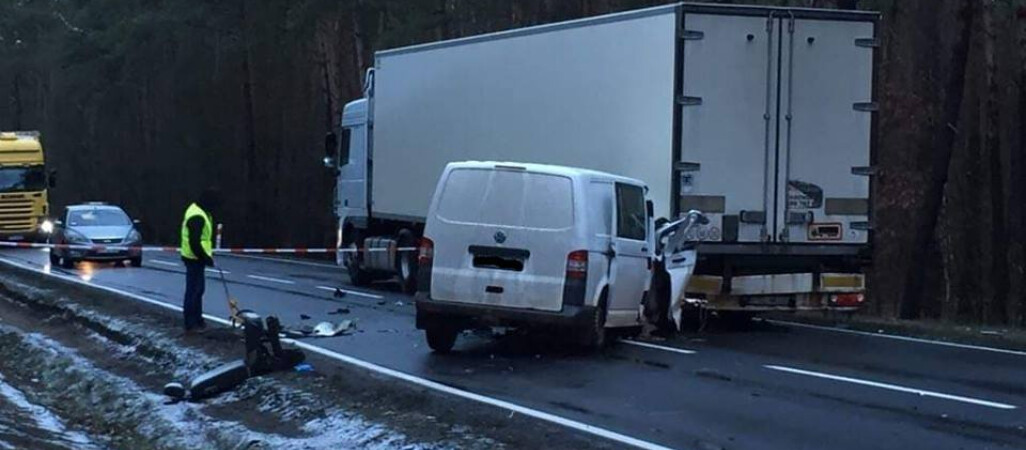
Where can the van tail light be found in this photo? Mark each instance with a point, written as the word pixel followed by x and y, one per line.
pixel 425 263
pixel 576 282
pixel 577 264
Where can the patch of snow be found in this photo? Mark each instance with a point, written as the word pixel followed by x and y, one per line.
pixel 44 419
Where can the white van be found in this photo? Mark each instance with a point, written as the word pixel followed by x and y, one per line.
pixel 512 244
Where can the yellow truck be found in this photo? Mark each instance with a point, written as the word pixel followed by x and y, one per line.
pixel 23 187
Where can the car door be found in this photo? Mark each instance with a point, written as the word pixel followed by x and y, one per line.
pixel 679 257
pixel 629 267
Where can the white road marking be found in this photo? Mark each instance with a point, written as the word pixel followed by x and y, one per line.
pixel 164 263
pixel 347 291
pixel 893 387
pixel 899 338
pixel 271 280
pixel 285 260
pixel 664 348
pixel 218 272
pixel 423 382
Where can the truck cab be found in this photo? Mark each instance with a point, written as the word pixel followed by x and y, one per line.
pixel 23 187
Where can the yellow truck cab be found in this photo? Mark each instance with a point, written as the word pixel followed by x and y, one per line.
pixel 23 186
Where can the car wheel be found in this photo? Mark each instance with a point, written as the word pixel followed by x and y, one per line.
pixel 54 259
pixel 119 264
pixel 441 338
pixel 136 262
pixel 406 263
pixel 67 263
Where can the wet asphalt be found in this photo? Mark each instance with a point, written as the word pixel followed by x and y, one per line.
pixel 765 386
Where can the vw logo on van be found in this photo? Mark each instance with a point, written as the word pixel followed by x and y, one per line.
pixel 500 237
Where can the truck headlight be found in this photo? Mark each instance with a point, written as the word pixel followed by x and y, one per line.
pixel 46 226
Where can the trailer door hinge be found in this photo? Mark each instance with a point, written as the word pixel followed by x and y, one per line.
pixel 684 166
pixel 685 100
pixel 692 35
pixel 866 106
pixel 864 171
pixel 867 42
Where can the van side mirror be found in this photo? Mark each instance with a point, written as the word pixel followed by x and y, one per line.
pixel 51 179
pixel 330 147
pixel 650 208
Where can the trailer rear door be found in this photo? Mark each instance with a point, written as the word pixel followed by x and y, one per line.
pixel 823 190
pixel 775 125
pixel 728 111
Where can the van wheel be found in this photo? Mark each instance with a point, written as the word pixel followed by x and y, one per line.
pixel 406 263
pixel 441 338
pixel 594 336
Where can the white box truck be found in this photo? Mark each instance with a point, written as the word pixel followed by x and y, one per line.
pixel 760 117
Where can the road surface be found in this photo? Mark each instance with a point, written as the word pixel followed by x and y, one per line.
pixel 769 387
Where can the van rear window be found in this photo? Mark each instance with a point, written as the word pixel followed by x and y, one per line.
pixel 507 198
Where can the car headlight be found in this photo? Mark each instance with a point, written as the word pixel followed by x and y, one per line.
pixel 133 237
pixel 46 227
pixel 74 237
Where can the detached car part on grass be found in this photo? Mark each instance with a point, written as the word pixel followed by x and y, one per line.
pixel 264 354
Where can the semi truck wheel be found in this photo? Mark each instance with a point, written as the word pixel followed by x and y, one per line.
pixel 406 262
pixel 441 338
pixel 357 275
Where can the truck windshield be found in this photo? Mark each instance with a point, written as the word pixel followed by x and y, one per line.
pixel 16 179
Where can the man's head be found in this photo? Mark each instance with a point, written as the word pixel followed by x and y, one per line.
pixel 210 199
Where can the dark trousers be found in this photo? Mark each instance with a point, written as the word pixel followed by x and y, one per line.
pixel 195 285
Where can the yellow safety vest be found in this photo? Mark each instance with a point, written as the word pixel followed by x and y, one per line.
pixel 206 239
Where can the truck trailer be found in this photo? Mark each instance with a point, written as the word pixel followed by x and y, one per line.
pixel 760 117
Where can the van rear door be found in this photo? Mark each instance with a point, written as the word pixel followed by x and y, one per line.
pixel 502 237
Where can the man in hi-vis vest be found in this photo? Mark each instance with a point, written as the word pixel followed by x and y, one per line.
pixel 197 253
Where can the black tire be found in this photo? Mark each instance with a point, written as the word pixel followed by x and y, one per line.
pixel 441 338
pixel 67 263
pixel 406 262
pixel 357 276
pixel 690 318
pixel 593 337
pixel 54 259
pixel 136 262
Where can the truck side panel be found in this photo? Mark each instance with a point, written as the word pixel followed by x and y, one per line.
pixel 598 96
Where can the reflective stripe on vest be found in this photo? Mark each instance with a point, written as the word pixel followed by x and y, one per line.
pixel 206 238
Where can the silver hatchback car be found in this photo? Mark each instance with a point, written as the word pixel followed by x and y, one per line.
pixel 95 224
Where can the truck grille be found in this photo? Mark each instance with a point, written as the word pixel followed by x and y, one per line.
pixel 17 215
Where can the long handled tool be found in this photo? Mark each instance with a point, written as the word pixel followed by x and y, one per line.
pixel 233 304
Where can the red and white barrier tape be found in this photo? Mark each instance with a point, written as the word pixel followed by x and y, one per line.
pixel 262 251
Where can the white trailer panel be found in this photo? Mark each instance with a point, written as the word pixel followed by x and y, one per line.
pixel 596 93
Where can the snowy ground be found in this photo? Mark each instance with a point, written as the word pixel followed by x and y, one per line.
pixel 75 375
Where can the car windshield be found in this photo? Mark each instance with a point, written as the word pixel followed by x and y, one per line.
pixel 106 217
pixel 15 179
